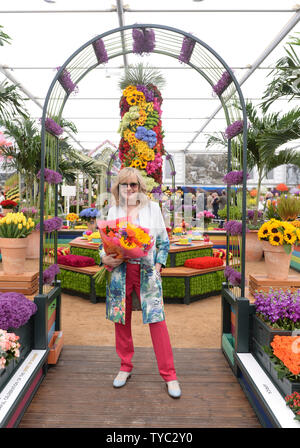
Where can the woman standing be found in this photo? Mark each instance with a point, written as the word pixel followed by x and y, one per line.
pixel 141 275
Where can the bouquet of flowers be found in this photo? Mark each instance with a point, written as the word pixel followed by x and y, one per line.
pixel 293 402
pixel 9 348
pixel 72 217
pixel 125 239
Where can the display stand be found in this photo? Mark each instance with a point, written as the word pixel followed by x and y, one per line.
pixel 23 378
pixel 255 379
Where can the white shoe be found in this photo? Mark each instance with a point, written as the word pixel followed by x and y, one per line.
pixel 121 379
pixel 174 389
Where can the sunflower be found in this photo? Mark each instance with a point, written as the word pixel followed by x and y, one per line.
pixel 274 227
pixel 276 239
pixel 263 231
pixel 290 236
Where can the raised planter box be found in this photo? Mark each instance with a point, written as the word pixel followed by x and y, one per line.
pixel 264 334
pixel 284 385
pixel 55 345
pixel 26 340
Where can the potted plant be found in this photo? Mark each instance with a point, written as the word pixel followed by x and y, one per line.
pixel 207 217
pixel 8 206
pixel 14 229
pixel 276 312
pixel 254 250
pixel 33 246
pixel 293 402
pixel 89 215
pixel 277 238
pixel 288 207
pixel 16 334
pixel 284 356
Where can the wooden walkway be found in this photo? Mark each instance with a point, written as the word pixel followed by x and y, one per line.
pixel 78 393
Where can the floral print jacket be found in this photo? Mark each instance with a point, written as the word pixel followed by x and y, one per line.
pixel 151 288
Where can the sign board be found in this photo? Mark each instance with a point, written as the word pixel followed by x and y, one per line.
pixel 68 190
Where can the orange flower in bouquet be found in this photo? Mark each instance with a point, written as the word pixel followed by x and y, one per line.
pixel 122 237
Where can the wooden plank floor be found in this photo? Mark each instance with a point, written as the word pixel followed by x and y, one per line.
pixel 78 393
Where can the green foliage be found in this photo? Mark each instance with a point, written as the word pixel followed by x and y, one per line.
pixel 285 77
pixel 288 208
pixel 4 38
pixel 235 213
pixel 140 74
pixel 11 101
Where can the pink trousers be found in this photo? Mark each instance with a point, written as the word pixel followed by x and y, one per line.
pixel 158 330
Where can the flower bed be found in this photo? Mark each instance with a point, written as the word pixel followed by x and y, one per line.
pixel 293 402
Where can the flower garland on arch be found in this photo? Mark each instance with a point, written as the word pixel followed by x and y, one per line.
pixel 141 145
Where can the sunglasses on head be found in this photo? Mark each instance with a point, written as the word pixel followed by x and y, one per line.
pixel 132 185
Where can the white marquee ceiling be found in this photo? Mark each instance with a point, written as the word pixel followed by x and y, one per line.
pixel 45 33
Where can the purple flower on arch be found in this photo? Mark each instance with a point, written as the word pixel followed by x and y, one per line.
pixel 66 81
pixel 52 127
pixel 50 273
pixel 222 84
pixel 143 40
pixel 234 129
pixel 234 178
pixel 100 51
pixel 187 48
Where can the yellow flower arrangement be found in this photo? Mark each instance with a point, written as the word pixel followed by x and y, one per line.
pixel 279 233
pixel 72 217
pixel 177 230
pixel 16 225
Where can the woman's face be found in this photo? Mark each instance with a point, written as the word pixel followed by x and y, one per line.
pixel 128 189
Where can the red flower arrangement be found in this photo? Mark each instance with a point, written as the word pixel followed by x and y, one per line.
pixel 203 262
pixel 75 260
pixel 8 203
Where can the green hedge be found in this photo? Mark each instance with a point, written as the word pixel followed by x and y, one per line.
pixel 87 253
pixel 206 283
pixel 74 281
pixel 173 287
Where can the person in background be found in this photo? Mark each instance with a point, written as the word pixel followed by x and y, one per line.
pixel 2 198
pixel 215 204
pixel 142 276
pixel 209 202
pixel 223 200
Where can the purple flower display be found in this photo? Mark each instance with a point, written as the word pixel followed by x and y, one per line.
pixel 143 40
pixel 279 308
pixel 187 48
pixel 50 273
pixel 50 176
pixel 168 157
pixel 234 227
pixel 52 127
pixel 15 310
pixel 234 178
pixel 173 173
pixel 234 129
pixel 50 225
pixel 100 51
pixel 222 84
pixel 233 276
pixel 66 81
pixel 149 94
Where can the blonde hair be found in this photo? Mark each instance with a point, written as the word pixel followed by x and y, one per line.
pixel 122 176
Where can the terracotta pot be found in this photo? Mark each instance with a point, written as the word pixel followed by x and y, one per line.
pixel 13 251
pixel 277 261
pixel 254 250
pixel 33 246
pixel 7 210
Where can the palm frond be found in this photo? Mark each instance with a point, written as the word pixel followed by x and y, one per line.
pixel 140 74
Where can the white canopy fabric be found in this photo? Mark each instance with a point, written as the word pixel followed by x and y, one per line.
pixel 249 35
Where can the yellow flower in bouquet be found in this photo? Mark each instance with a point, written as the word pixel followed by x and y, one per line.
pixel 72 217
pixel 177 230
pixel 16 225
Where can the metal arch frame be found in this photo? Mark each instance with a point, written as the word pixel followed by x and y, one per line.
pixel 238 90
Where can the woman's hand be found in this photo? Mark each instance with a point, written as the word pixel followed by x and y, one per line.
pixel 112 261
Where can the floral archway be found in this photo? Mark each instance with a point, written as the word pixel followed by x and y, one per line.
pixel 141 39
